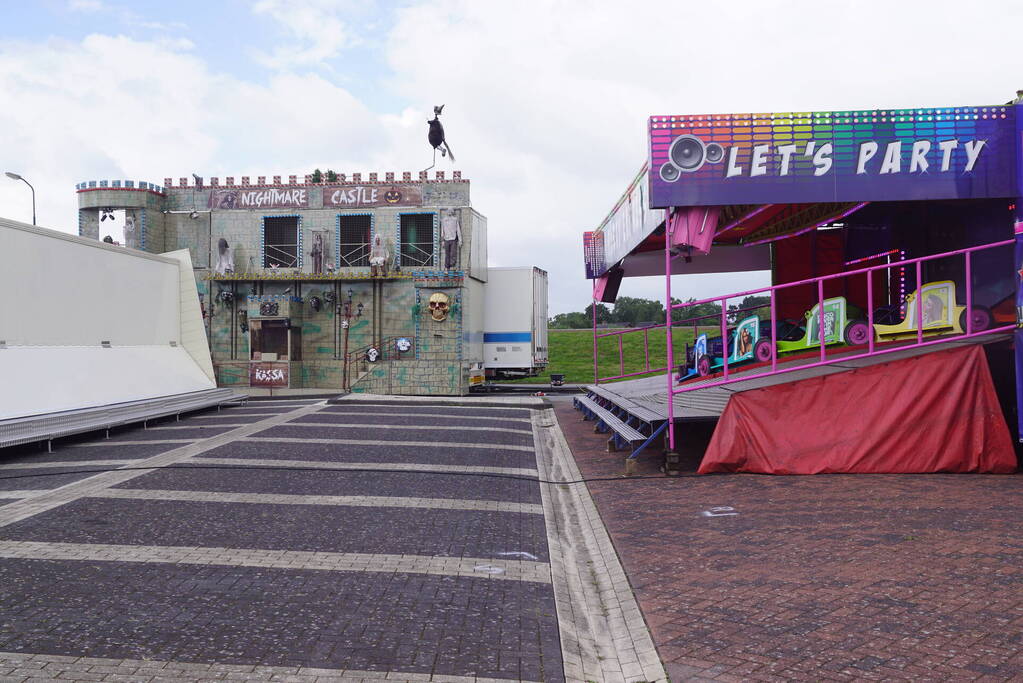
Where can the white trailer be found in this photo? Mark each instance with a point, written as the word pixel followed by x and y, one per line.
pixel 515 322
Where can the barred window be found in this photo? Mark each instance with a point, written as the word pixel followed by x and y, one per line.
pixel 280 242
pixel 353 241
pixel 417 240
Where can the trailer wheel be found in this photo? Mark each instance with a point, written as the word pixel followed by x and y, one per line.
pixel 856 332
pixel 762 350
pixel 980 319
pixel 703 366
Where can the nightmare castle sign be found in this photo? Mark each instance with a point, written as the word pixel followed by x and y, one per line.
pixel 369 196
pixel 346 196
pixel 870 155
pixel 261 198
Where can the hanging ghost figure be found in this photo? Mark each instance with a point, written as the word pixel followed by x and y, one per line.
pixel 436 136
pixel 225 258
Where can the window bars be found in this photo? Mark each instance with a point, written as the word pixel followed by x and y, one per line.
pixel 280 242
pixel 353 240
pixel 417 240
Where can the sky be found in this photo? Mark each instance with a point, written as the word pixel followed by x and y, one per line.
pixel 546 102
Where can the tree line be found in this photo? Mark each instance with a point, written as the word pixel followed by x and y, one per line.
pixel 630 311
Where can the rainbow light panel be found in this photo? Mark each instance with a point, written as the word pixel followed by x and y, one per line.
pixel 790 157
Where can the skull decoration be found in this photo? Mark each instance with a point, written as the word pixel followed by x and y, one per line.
pixel 372 354
pixel 439 304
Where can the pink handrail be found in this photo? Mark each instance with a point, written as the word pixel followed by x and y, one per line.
pixel 832 276
pixel 871 348
pixel 746 376
pixel 646 344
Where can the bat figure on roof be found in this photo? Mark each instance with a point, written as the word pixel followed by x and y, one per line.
pixel 436 136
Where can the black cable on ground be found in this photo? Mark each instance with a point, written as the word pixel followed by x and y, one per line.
pixel 490 475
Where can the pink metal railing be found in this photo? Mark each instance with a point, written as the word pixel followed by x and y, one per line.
pixel 621 352
pixel 646 343
pixel 871 350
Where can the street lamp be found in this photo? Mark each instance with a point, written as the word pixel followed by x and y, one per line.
pixel 15 176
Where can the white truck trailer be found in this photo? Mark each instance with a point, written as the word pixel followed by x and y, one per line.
pixel 515 322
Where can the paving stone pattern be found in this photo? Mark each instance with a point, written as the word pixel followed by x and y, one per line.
pixel 339 483
pixel 393 433
pixel 279 579
pixel 329 452
pixel 445 533
pixel 827 577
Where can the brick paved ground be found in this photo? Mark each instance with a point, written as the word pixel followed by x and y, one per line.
pixel 238 568
pixel 830 577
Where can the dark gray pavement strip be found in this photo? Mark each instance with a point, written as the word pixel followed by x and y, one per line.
pixel 453 411
pixel 14 468
pixel 215 419
pixel 98 482
pixel 387 425
pixel 294 499
pixel 110 443
pixel 254 410
pixel 383 453
pixel 345 442
pixel 425 420
pixel 118 451
pixel 338 529
pixel 198 432
pixel 338 483
pixel 379 467
pixel 367 621
pixel 40 478
pixel 382 434
pixel 50 667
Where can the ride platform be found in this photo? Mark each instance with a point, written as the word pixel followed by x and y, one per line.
pixel 650 394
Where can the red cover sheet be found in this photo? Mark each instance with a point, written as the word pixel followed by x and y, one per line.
pixel 937 412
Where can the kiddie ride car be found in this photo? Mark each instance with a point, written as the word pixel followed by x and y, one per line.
pixel 751 339
pixel 941 314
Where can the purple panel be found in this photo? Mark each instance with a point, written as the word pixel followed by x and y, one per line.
pixel 864 155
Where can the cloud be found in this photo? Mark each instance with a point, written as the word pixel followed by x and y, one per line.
pixel 545 106
pixel 114 107
pixel 86 6
pixel 315 26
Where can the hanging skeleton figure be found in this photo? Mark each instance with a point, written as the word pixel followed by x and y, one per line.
pixel 436 137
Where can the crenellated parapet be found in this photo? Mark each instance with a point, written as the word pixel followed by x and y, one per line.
pixel 246 182
pixel 122 185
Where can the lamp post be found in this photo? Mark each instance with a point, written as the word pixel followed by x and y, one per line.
pixel 15 176
pixel 346 310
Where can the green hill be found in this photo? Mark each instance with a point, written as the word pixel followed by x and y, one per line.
pixel 571 353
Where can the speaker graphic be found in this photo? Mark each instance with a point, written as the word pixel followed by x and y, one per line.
pixel 715 153
pixel 669 173
pixel 688 153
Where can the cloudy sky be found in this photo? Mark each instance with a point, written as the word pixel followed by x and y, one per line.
pixel 546 101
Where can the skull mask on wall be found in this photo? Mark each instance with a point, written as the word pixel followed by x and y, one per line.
pixel 439 304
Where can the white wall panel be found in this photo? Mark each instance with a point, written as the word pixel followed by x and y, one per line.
pixel 59 290
pixel 41 379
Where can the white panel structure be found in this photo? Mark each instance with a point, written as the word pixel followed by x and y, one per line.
pixel 515 322
pixel 478 248
pixel 193 332
pixel 86 324
pixel 76 291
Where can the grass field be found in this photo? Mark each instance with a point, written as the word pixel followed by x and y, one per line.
pixel 571 353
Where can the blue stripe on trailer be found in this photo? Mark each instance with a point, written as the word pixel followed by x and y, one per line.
pixel 492 337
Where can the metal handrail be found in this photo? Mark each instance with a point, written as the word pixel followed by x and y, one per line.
pixel 871 350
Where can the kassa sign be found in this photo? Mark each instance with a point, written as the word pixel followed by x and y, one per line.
pixel 864 155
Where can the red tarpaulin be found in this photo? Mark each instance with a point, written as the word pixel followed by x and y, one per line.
pixel 937 412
